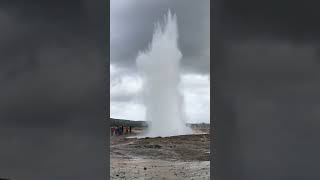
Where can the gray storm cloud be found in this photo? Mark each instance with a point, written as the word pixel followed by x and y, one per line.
pixel 194 22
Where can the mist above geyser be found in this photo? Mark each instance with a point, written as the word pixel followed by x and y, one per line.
pixel 159 67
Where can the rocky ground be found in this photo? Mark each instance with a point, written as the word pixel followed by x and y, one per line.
pixel 176 157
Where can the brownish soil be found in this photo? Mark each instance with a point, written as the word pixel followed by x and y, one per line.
pixel 176 157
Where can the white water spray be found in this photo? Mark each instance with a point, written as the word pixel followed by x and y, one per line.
pixel 159 67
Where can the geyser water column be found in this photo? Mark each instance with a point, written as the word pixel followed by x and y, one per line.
pixel 159 67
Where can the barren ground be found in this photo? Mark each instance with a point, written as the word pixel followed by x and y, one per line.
pixel 176 157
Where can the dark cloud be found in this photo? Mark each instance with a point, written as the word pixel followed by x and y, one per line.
pixel 266 74
pixel 132 26
pixel 52 68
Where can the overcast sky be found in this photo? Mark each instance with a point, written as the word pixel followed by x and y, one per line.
pixel 131 28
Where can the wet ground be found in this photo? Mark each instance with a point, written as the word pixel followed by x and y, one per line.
pixel 176 157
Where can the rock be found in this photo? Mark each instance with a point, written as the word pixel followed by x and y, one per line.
pixel 156 146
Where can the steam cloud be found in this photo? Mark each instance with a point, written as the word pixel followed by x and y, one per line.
pixel 159 68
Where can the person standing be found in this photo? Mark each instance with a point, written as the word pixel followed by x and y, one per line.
pixel 117 130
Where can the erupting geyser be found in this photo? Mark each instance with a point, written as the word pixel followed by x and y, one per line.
pixel 159 68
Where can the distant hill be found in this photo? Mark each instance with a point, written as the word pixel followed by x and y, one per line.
pixel 123 122
pixel 199 125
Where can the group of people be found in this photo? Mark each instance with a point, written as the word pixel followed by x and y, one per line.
pixel 120 130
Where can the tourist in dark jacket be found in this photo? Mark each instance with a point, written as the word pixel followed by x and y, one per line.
pixel 112 131
pixel 117 131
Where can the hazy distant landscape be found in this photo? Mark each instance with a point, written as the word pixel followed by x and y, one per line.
pixel 124 122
